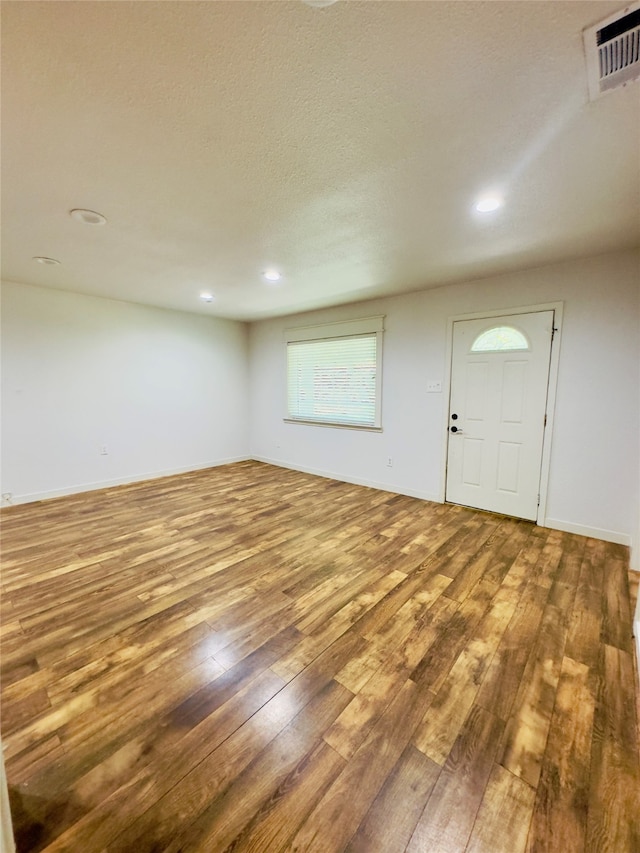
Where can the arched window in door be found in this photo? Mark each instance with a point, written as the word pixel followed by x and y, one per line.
pixel 500 339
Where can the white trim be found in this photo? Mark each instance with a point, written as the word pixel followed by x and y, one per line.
pixel 118 481
pixel 552 388
pixel 593 532
pixel 552 523
pixel 340 329
pixel 554 363
pixel 7 844
pixel 636 634
pixel 333 424
pixel 356 481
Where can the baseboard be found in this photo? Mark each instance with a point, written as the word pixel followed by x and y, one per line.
pixel 593 532
pixel 7 844
pixel 636 634
pixel 356 481
pixel 118 481
pixel 555 524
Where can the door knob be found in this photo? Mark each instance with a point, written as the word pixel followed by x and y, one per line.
pixel 455 429
pixel 454 417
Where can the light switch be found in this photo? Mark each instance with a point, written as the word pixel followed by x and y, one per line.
pixel 434 387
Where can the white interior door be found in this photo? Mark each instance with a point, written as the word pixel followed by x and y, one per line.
pixel 499 381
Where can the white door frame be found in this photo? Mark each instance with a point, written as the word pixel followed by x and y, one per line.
pixel 551 392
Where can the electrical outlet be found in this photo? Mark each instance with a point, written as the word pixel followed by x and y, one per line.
pixel 389 462
pixel 7 498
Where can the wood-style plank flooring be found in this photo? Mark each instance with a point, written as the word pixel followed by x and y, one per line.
pixel 254 659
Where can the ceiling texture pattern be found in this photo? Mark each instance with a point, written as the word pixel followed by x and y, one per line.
pixel 343 146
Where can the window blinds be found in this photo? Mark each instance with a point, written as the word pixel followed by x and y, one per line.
pixel 334 373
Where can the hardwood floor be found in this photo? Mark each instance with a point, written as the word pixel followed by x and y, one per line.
pixel 254 659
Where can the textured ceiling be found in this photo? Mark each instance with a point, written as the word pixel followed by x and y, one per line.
pixel 343 146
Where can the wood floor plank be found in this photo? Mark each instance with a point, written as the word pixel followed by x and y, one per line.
pixel 525 737
pixel 351 727
pixel 449 814
pixel 212 775
pixel 138 793
pixel 206 717
pixel 563 587
pixel 560 817
pixel 614 796
pixel 616 616
pixel 504 815
pixel 39 759
pixel 585 628
pixel 226 816
pixel 504 677
pixel 491 560
pixel 452 703
pixel 452 637
pixel 278 819
pixel 392 817
pixel 104 673
pixel 361 668
pixel 546 566
pixel 241 659
pixel 329 828
pixel 19 712
pixel 336 625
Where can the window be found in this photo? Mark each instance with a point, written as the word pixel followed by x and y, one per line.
pixel 499 339
pixel 334 373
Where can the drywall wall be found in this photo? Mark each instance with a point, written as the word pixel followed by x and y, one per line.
pixel 161 391
pixel 165 391
pixel 593 484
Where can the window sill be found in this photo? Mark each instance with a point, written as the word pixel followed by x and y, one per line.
pixel 333 425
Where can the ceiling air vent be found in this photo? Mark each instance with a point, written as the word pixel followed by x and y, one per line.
pixel 612 49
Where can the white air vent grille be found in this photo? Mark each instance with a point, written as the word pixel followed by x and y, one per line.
pixel 612 49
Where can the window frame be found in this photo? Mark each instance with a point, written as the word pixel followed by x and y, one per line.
pixel 342 330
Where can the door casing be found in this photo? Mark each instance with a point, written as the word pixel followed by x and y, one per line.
pixel 551 394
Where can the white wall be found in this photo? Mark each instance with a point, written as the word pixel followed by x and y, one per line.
pixel 164 391
pixel 593 487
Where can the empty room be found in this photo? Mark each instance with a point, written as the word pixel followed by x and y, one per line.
pixel 320 379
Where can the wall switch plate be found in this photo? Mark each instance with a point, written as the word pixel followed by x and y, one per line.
pixel 434 386
pixel 103 450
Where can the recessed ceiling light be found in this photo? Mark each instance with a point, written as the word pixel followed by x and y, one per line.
pixel 206 297
pixel 89 217
pixel 488 203
pixel 50 262
pixel 272 275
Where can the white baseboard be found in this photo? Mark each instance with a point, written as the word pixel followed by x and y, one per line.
pixel 7 844
pixel 356 481
pixel 636 634
pixel 593 532
pixel 119 481
pixel 554 523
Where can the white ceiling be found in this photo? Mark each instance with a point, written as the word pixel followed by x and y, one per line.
pixel 344 146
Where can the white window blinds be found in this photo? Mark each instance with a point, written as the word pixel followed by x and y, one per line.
pixel 333 377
